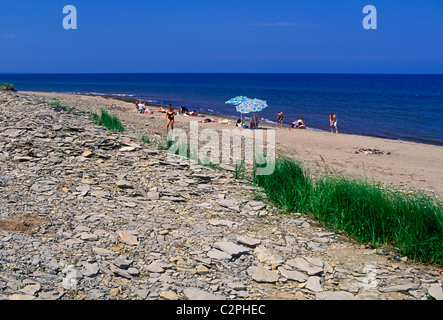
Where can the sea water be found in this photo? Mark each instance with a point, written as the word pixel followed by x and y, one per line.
pixel 405 107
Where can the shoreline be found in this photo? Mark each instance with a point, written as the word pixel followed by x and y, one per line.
pixel 213 114
pixel 398 163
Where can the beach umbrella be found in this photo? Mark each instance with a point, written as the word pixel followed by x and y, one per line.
pixel 237 100
pixel 252 105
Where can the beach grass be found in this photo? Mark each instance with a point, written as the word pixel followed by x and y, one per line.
pixel 57 104
pixel 362 209
pixel 145 139
pixel 7 86
pixel 109 121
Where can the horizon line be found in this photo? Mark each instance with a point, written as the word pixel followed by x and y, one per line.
pixel 343 73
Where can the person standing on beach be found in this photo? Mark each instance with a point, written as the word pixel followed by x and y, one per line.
pixel 170 114
pixel 333 122
pixel 280 119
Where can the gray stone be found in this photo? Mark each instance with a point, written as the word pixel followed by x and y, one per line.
pixel 264 275
pixel 88 236
pixel 198 294
pixel 103 252
pixel 90 269
pixel 155 268
pixel 250 242
pixel 436 291
pixel 120 272
pixel 399 288
pixel 133 272
pixel 218 255
pixel 31 289
pixel 142 293
pixel 292 274
pixel 334 295
pixel 313 284
pixel 83 189
pixel 127 237
pixel 231 248
pixel 123 184
pixel 153 195
pixel 122 263
pixel 303 265
pixel 220 223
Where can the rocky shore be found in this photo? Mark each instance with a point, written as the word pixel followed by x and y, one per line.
pixel 90 214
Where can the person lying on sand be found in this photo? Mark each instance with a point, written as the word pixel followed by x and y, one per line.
pixel 160 109
pixel 208 120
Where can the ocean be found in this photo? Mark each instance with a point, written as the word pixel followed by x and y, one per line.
pixel 403 107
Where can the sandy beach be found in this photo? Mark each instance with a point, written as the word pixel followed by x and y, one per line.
pixel 402 164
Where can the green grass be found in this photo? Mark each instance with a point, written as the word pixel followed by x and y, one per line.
pixel 364 210
pixel 145 139
pixel 57 104
pixel 240 170
pixel 8 86
pixel 109 121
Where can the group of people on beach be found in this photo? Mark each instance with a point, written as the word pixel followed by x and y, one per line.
pixel 169 113
pixel 299 124
pixel 170 116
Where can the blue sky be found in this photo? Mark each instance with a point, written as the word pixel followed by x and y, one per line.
pixel 222 36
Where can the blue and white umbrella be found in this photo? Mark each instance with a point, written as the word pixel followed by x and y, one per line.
pixel 237 100
pixel 252 105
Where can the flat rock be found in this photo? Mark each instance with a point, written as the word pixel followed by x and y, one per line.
pixel 231 248
pixel 123 184
pixel 155 268
pixel 303 265
pixel 31 289
pixel 293 274
pixel 198 294
pixel 436 291
pixel 313 284
pixel 88 236
pixel 218 255
pixel 103 252
pixel 127 237
pixel 264 275
pixel 169 295
pixel 250 242
pixel 334 295
pixel 220 223
pixel 119 272
pixel 90 269
pixel 399 288
pixel 21 297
